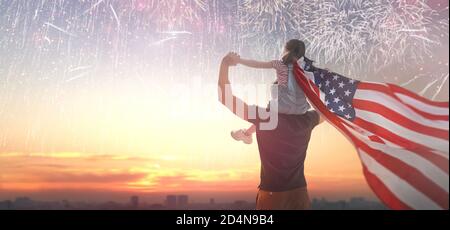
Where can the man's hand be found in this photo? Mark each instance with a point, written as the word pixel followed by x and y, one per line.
pixel 232 59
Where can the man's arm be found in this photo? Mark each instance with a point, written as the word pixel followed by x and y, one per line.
pixel 226 96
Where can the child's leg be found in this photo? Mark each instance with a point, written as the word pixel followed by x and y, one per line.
pixel 250 131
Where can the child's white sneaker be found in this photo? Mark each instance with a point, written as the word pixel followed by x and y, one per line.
pixel 240 135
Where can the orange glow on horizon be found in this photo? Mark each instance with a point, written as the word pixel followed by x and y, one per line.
pixel 332 168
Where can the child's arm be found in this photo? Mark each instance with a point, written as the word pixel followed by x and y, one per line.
pixel 256 64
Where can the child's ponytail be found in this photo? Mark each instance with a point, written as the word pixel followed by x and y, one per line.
pixel 295 49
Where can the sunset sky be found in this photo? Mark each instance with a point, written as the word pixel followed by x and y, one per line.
pixel 100 101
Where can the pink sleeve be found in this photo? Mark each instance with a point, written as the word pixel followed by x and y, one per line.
pixel 282 72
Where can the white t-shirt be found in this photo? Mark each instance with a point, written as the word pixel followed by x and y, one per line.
pixel 287 96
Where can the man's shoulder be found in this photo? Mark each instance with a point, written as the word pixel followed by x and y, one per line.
pixel 285 121
pixel 310 119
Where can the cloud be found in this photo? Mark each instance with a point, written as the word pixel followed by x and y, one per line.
pixel 75 155
pixel 198 180
pixel 93 177
pixel 28 166
pixel 116 172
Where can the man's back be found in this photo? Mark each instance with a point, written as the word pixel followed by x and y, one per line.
pixel 283 151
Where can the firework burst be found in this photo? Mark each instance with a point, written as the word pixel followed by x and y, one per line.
pixel 343 31
pixel 267 24
pixel 354 34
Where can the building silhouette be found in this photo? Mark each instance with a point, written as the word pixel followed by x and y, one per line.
pixel 182 201
pixel 178 202
pixel 6 205
pixel 134 202
pixel 171 201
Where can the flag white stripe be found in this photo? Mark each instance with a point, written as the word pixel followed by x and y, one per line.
pixel 388 143
pixel 310 76
pixel 416 137
pixel 442 154
pixel 391 103
pixel 427 168
pixel 400 188
pixel 423 106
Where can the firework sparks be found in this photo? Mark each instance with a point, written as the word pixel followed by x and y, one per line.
pixel 427 87
pixel 79 76
pixel 173 14
pixel 162 41
pixel 93 7
pixel 441 87
pixel 115 16
pixel 357 34
pixel 268 24
pixel 60 29
pixel 74 69
pixel 366 34
pixel 176 32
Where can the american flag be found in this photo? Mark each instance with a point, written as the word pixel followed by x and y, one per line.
pixel 401 138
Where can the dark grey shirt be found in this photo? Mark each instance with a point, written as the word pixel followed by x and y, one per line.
pixel 283 151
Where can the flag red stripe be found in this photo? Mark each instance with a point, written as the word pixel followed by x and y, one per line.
pixel 408 93
pixel 385 90
pixel 400 119
pixel 383 192
pixel 421 150
pixel 315 88
pixel 409 174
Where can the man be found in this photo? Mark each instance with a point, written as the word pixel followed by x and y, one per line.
pixel 282 150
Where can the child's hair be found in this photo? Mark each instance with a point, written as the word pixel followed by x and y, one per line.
pixel 296 49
